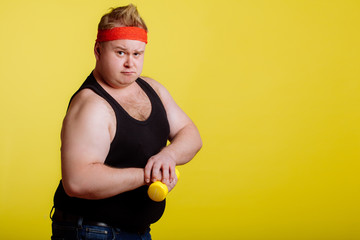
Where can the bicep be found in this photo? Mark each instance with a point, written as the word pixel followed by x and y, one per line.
pixel 85 138
pixel 176 116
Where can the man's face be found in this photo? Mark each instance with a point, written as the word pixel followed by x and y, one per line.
pixel 120 62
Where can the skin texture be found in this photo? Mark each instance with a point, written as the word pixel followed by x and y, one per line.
pixel 90 124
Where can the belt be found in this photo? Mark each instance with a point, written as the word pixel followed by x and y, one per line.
pixel 60 216
pixel 69 218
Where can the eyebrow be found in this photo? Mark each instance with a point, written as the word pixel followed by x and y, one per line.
pixel 119 47
pixel 125 49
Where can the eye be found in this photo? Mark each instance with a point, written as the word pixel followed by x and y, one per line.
pixel 121 53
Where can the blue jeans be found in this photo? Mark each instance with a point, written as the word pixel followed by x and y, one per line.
pixel 87 232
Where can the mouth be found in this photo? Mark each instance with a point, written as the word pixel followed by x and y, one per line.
pixel 128 73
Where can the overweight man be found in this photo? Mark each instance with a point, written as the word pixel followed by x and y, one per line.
pixel 114 140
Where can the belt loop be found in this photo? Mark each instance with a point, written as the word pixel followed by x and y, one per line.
pixel 114 233
pixel 80 222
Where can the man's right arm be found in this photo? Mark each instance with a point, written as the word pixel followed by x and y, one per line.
pixel 87 132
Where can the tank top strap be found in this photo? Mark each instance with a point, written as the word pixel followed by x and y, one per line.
pixel 92 84
pixel 157 105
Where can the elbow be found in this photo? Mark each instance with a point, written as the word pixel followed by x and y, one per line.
pixel 196 142
pixel 196 138
pixel 199 144
pixel 199 141
pixel 73 189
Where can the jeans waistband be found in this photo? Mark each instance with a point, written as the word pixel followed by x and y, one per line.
pixel 76 220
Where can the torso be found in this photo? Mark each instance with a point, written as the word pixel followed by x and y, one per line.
pixel 130 134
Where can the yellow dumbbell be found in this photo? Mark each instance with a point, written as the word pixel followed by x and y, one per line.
pixel 158 191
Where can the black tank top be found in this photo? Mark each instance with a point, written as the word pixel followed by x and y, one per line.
pixel 133 144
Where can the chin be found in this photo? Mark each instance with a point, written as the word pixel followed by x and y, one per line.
pixel 127 79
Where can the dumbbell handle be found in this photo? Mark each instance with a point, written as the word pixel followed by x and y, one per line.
pixel 158 191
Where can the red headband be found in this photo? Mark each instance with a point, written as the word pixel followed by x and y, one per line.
pixel 131 33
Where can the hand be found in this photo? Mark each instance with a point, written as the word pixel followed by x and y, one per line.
pixel 161 167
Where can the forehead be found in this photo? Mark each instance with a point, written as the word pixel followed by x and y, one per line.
pixel 125 44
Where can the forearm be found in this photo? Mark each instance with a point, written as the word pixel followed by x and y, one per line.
pixel 98 181
pixel 182 148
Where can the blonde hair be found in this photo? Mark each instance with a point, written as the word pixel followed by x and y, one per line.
pixel 127 16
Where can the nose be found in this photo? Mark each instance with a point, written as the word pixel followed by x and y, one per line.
pixel 129 61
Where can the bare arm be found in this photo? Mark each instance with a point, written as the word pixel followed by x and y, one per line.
pixel 88 129
pixel 184 138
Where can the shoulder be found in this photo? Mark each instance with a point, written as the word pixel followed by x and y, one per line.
pixel 158 87
pixel 154 84
pixel 87 105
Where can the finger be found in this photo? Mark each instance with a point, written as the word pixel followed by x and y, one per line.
pixel 165 174
pixel 156 172
pixel 172 173
pixel 147 171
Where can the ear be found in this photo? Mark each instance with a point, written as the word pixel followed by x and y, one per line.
pixel 97 50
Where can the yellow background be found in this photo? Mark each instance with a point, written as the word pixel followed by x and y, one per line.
pixel 274 87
